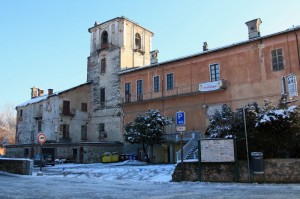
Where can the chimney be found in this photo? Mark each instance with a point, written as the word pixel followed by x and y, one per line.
pixel 253 28
pixel 205 46
pixel 154 56
pixel 41 92
pixel 50 91
pixel 34 92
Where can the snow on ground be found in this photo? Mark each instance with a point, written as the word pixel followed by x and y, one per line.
pixel 128 180
pixel 130 170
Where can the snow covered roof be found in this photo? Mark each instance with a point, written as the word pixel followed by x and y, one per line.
pixel 208 51
pixel 34 100
pixel 44 97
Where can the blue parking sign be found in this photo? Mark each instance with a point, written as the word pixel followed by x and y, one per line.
pixel 180 118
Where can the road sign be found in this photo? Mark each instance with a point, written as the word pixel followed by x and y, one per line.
pixel 4 141
pixel 180 128
pixel 180 118
pixel 41 138
pixel 292 85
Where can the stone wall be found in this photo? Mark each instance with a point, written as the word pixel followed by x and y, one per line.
pixel 17 166
pixel 275 171
pixel 77 153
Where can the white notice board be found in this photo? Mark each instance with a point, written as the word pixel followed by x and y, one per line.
pixel 217 150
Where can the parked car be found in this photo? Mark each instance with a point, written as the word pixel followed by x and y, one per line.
pixel 47 159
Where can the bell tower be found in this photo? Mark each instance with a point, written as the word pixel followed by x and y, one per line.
pixel 115 45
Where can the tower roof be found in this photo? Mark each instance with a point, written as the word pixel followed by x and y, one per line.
pixel 97 24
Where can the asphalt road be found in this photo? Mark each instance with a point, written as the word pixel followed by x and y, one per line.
pixel 16 186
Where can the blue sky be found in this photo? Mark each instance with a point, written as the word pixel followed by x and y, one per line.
pixel 46 43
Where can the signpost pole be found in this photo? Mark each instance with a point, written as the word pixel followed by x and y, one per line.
pixel 237 172
pixel 199 161
pixel 41 138
pixel 180 127
pixel 41 154
pixel 181 150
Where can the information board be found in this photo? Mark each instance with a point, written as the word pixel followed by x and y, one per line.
pixel 217 150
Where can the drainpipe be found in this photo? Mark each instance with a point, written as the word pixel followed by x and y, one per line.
pixel 297 47
pixel 132 43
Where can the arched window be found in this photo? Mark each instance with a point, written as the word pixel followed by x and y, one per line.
pixel 138 41
pixel 104 38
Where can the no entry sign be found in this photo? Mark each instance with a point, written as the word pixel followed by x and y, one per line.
pixel 41 138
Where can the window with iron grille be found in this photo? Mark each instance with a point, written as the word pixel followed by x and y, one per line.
pixel 170 81
pixel 84 132
pixel 101 130
pixel 127 92
pixel 214 72
pixel 64 129
pixel 39 124
pixel 101 127
pixel 102 97
pixel 84 107
pixel 277 59
pixel 103 66
pixel 139 90
pixel 156 84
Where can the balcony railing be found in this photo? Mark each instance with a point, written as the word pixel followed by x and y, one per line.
pixel 189 89
pixel 65 140
pixel 70 112
pixel 38 114
pixel 186 136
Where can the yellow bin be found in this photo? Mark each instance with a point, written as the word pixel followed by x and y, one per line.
pixel 106 157
pixel 114 157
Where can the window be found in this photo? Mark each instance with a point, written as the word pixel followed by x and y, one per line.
pixel 127 92
pixel 102 97
pixel 104 38
pixel 40 109
pixel 101 130
pixel 156 84
pixel 101 127
pixel 64 129
pixel 170 81
pixel 84 132
pixel 39 124
pixel 138 41
pixel 277 59
pixel 84 107
pixel 214 72
pixel 66 107
pixel 20 115
pixel 139 90
pixel 103 66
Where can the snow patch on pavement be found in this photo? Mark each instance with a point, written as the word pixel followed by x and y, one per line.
pixel 130 170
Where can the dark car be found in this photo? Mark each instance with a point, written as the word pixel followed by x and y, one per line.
pixel 47 159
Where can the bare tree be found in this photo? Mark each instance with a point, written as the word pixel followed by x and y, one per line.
pixel 8 123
